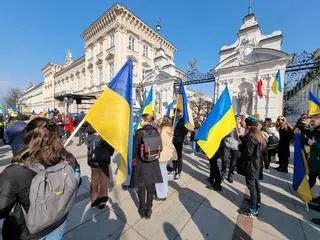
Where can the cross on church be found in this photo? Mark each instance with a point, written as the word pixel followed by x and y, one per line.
pixel 249 8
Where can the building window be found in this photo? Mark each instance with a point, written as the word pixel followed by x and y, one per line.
pixel 145 51
pixel 143 74
pixel 100 47
pixel 111 71
pixel 91 78
pixel 100 74
pixel 111 41
pixel 131 42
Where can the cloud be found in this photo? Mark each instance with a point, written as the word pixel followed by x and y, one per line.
pixel 6 85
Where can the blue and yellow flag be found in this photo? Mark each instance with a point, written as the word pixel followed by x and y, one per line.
pixel 219 123
pixel 111 117
pixel 276 85
pixel 170 108
pixel 183 106
pixel 314 104
pixel 148 108
pixel 300 179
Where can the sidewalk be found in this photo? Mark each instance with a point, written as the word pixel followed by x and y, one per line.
pixel 191 211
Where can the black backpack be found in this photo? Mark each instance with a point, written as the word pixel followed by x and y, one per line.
pixel 151 145
pixel 273 141
pixel 99 151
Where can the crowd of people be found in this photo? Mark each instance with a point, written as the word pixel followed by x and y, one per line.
pixel 38 153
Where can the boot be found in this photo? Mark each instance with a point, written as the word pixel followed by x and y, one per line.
pixel 230 178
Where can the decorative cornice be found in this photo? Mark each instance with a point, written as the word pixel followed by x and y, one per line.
pixel 74 64
pixel 118 10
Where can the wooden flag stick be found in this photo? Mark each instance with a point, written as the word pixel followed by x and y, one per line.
pixel 74 132
pixel 307 207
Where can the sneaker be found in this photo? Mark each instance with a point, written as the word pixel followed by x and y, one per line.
pixel 230 178
pixel 316 221
pixel 267 170
pixel 160 199
pixel 284 170
pixel 103 202
pixel 177 177
pixel 142 212
pixel 171 173
pixel 253 213
pixel 217 187
pixel 148 213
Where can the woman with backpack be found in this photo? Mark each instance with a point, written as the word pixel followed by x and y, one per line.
pixel 99 156
pixel 250 162
pixel 147 147
pixel 286 136
pixel 42 169
pixel 167 154
pixel 271 135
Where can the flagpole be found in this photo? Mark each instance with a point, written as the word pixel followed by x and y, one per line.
pixel 74 132
pixel 307 207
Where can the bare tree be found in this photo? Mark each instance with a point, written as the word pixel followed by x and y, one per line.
pixel 13 96
pixel 192 65
pixel 200 107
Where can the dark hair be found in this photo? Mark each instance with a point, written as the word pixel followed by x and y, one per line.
pixel 42 144
pixel 268 119
pixel 90 129
pixel 23 117
pixel 148 118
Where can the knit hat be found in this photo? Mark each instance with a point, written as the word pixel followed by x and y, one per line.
pixel 252 121
pixel 256 115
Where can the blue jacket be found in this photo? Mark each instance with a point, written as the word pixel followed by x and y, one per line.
pixel 14 136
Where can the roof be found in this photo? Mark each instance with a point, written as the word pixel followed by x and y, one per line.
pixel 104 19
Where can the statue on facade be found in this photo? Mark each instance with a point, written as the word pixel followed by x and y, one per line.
pixel 244 101
pixel 157 103
pixel 68 60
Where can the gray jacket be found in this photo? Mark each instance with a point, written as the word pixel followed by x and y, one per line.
pixel 232 141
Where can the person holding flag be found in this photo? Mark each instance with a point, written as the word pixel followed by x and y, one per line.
pixel 112 115
pixel 219 123
pixel 182 123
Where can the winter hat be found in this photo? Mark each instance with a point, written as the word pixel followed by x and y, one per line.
pixel 252 121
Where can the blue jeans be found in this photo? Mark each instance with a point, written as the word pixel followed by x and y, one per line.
pixel 162 188
pixel 56 234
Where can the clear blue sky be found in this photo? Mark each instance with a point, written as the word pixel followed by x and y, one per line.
pixel 34 32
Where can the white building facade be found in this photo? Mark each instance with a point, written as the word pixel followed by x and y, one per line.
pixel 113 38
pixel 32 99
pixel 252 57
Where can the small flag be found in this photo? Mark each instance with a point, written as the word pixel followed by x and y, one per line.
pixel 111 117
pixel 314 104
pixel 300 179
pixel 219 123
pixel 183 106
pixel 276 85
pixel 171 108
pixel 260 88
pixel 148 108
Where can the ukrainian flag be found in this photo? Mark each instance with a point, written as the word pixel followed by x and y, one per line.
pixel 300 179
pixel 314 104
pixel 276 85
pixel 183 106
pixel 219 123
pixel 171 108
pixel 111 117
pixel 148 108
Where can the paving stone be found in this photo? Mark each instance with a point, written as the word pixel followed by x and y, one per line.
pixel 131 234
pixel 106 225
pixel 208 223
pixel 168 218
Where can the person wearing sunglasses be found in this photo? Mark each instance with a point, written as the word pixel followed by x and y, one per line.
pixel 286 136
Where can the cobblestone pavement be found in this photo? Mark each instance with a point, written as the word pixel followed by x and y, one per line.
pixel 191 211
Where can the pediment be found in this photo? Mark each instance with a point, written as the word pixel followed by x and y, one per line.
pixel 250 57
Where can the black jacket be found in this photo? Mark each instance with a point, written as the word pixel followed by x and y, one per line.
pixel 250 162
pixel 15 182
pixel 99 151
pixel 146 172
pixel 180 132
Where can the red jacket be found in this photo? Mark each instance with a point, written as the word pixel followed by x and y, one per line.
pixel 69 124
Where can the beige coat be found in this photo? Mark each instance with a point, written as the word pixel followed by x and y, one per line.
pixel 168 152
